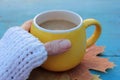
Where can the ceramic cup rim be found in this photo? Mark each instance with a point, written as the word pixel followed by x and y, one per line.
pixel 58 31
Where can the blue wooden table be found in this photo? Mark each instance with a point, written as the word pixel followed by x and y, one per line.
pixel 107 12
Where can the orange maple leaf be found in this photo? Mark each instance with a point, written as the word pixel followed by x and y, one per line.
pixel 90 61
pixel 80 72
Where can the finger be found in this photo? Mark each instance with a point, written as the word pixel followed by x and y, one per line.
pixel 57 46
pixel 27 25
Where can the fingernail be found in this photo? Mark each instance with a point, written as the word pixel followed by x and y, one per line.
pixel 65 44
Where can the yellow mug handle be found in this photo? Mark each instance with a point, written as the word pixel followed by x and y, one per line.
pixel 87 23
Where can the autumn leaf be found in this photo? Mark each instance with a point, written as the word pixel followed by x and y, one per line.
pixel 80 72
pixel 96 77
pixel 91 61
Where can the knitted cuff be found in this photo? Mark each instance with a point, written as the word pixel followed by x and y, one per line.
pixel 20 53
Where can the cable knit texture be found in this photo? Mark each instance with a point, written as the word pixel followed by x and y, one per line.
pixel 20 53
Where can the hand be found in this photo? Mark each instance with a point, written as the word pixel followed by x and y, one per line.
pixel 53 47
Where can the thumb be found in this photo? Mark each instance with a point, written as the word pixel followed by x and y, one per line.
pixel 26 26
pixel 57 46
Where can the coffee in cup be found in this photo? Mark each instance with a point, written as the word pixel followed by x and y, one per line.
pixel 53 25
pixel 57 25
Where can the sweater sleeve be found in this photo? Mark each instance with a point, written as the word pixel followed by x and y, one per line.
pixel 20 53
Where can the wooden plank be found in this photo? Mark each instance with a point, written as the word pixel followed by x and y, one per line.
pixel 111 74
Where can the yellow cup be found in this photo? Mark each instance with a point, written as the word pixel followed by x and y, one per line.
pixel 76 35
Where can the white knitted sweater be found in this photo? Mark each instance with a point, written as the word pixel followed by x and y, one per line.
pixel 20 53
